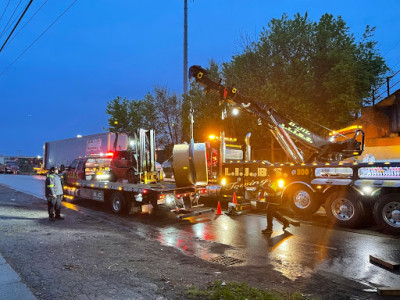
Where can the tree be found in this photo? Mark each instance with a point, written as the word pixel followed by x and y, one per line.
pixel 126 116
pixel 309 70
pixel 160 112
pixel 168 108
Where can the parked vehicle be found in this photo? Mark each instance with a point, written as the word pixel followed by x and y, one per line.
pixel 167 168
pixel 11 167
pixel 112 166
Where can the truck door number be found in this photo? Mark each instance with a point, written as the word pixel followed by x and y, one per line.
pixel 98 195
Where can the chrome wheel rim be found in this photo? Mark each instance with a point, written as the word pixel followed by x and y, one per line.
pixel 391 213
pixel 116 205
pixel 343 209
pixel 302 199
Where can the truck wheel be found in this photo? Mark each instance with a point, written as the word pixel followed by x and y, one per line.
pixel 387 213
pixel 344 209
pixel 112 177
pixel 303 201
pixel 131 176
pixel 118 203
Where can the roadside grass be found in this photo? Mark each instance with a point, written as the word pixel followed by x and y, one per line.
pixel 237 291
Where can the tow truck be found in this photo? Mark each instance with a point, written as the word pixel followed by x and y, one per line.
pixel 88 179
pixel 351 192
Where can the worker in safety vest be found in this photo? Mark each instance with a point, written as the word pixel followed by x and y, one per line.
pixel 273 204
pixel 54 194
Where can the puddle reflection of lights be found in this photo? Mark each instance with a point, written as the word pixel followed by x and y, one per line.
pixel 70 206
pixel 199 230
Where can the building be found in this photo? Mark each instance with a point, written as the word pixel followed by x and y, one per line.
pixel 381 124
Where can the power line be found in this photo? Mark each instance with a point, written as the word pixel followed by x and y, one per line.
pixel 15 19
pixel 28 20
pixel 5 10
pixel 5 27
pixel 19 20
pixel 23 52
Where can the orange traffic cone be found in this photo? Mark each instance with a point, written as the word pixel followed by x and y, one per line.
pixel 219 209
pixel 234 200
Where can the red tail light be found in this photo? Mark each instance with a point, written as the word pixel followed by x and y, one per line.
pixel 144 191
pixel 110 154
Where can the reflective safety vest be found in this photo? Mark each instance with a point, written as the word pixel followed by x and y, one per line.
pixel 53 185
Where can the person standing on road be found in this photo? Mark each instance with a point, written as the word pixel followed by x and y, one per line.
pixel 54 194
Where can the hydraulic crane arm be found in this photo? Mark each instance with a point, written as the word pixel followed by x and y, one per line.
pixel 282 128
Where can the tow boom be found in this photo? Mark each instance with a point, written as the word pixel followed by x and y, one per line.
pixel 282 128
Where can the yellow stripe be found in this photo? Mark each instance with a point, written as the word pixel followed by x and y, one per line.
pixel 50 185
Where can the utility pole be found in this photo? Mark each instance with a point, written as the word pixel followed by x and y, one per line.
pixel 185 64
pixel 185 50
pixel 388 84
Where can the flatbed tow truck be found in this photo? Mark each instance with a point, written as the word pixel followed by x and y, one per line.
pixel 150 193
pixel 351 192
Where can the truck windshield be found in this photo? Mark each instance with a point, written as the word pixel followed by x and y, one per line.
pixel 98 162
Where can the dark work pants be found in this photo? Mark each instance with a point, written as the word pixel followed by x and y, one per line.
pixel 54 206
pixel 272 212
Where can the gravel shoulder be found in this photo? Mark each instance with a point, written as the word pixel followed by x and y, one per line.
pixel 85 257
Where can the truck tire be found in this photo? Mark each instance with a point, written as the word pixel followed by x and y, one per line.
pixel 112 178
pixel 303 201
pixel 118 203
pixel 344 209
pixel 387 213
pixel 131 176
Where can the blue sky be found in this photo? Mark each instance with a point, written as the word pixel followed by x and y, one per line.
pixel 107 48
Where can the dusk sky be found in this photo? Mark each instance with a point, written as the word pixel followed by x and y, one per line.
pixel 102 49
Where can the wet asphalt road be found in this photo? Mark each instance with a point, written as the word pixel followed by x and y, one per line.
pixel 297 252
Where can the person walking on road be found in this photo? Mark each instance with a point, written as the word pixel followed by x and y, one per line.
pixel 54 194
pixel 273 204
pixel 272 212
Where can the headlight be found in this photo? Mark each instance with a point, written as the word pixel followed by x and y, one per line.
pixel 281 183
pixel 169 200
pixel 367 190
pixel 223 181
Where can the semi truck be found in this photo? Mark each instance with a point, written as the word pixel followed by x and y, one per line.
pixel 63 152
pixel 351 192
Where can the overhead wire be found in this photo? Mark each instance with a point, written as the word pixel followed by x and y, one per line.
pixel 5 27
pixel 26 23
pixel 4 11
pixel 30 45
pixel 16 25
pixel 17 16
